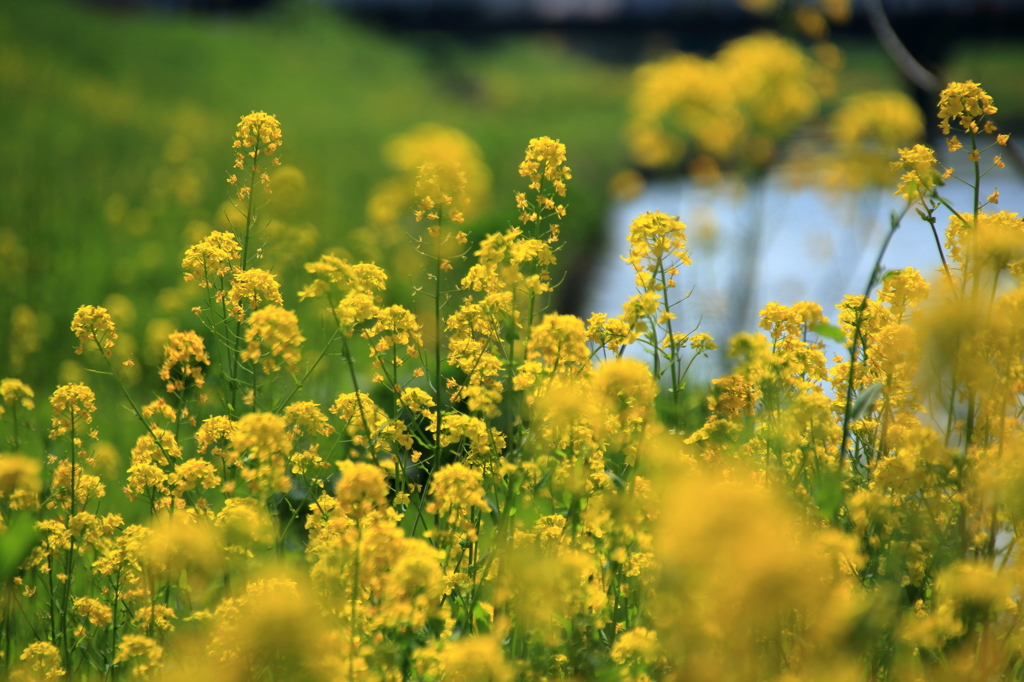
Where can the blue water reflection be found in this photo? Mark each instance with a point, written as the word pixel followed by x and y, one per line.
pixel 810 245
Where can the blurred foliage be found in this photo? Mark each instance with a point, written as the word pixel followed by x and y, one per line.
pixel 114 143
pixel 114 151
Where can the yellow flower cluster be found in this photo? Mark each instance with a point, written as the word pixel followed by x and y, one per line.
pixel 261 443
pixel 866 127
pixel 407 153
pixel 440 185
pixel 515 497
pixel 184 356
pixel 351 290
pixel 93 323
pixel 732 108
pixel 966 104
pixel 73 407
pixel 273 339
pixel 213 257
pixel 258 136
pixel 15 393
pixel 654 239
pixel 920 176
pixel 253 286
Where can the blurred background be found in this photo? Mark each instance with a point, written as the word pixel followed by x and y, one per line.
pixel 767 125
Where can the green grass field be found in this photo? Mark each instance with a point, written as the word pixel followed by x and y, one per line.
pixel 117 131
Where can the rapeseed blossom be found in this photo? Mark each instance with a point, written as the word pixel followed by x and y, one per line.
pixel 277 331
pixel 505 494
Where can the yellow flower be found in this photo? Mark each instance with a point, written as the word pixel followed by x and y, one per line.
pixel 457 490
pixel 903 290
pixel 160 447
pixel 254 286
pixel 611 333
pixel 408 152
pixel 214 435
pixel 42 662
pixel 93 323
pixel 277 330
pixel 657 242
pixel 475 659
pixel 15 391
pixel 261 442
pixel 639 643
pixel 756 90
pixel 214 256
pixel 920 176
pixel 545 162
pixel 480 439
pixel 243 522
pixel 144 653
pixel 560 342
pixel 98 613
pixel 966 103
pixel 191 473
pixel 73 406
pixel 258 136
pixel 18 472
pixel 395 326
pixel 885 118
pixel 357 284
pixel 185 352
pixel 440 183
pixel 305 417
pixel 364 420
pixel 361 490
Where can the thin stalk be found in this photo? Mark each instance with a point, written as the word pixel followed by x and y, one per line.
pixel 674 360
pixel 53 615
pixel 857 335
pixel 438 340
pixel 930 219
pixel 438 377
pixel 14 416
pixel 113 624
pixel 250 220
pixel 8 601
pixel 70 563
pixel 352 611
pixel 135 408
pixel 359 401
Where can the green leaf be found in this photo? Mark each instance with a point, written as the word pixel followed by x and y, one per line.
pixel 865 400
pixel 829 494
pixel 16 543
pixel 830 331
pixel 482 614
pixel 183 581
pixel 619 483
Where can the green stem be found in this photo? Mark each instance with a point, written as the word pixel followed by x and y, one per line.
pixel 135 408
pixel 8 601
pixel 894 224
pixel 359 401
pixel 250 220
pixel 70 563
pixel 674 359
pixel 438 341
pixel 352 611
pixel 14 416
pixel 113 624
